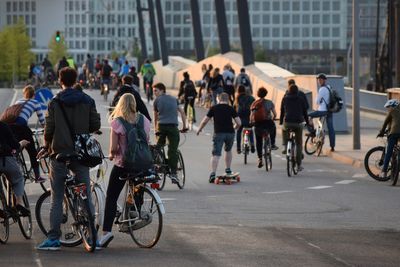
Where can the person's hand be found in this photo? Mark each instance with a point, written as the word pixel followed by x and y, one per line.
pixel 380 134
pixel 43 152
pixel 110 156
pixel 184 130
pixel 198 132
pixel 23 143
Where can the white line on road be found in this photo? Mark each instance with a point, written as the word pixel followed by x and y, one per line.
pixel 360 175
pixel 319 187
pixel 278 192
pixel 168 199
pixel 345 182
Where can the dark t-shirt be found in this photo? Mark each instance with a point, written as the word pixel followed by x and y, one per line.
pixel 223 115
pixel 7 140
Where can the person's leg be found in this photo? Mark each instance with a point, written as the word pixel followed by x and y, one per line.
pixel 391 141
pixel 214 94
pixel 173 143
pixel 273 134
pixel 228 141
pixel 115 186
pixel 284 136
pixel 298 130
pixel 185 106
pixel 239 139
pixel 161 138
pixel 216 154
pixel 332 135
pixel 259 142
pixel 191 103
pixel 9 166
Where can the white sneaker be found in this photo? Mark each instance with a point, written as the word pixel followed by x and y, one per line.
pixel 383 174
pixel 105 240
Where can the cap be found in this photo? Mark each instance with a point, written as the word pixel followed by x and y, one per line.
pixel 391 103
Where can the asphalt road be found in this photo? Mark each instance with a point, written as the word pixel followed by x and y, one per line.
pixel 329 215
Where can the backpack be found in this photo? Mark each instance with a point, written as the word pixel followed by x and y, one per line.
pixel 189 89
pixel 244 81
pixel 106 71
pixel 335 101
pixel 244 107
pixel 11 113
pixel 259 111
pixel 137 156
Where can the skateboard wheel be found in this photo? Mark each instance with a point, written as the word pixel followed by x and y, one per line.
pixel 238 179
pixel 216 181
pixel 228 181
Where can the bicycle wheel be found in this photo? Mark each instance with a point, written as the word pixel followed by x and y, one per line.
pixel 159 165
pixel 268 155
pixel 373 163
pixel 321 142
pixel 25 222
pixel 395 168
pixel 4 223
pixel 180 171
pixel 69 237
pixel 146 230
pixel 44 167
pixel 87 229
pixel 311 145
pixel 289 159
pixel 98 199
pixel 245 152
pixel 293 157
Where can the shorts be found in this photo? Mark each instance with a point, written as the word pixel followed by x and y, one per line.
pixel 219 139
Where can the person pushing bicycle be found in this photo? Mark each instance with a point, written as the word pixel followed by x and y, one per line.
pixel 292 116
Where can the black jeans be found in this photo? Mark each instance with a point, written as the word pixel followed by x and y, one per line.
pixel 269 126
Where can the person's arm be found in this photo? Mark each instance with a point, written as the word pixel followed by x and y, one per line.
pixel 113 144
pixel 282 115
pixel 39 113
pixel 181 91
pixel 203 123
pixel 49 126
pixel 388 119
pixel 238 123
pixel 94 118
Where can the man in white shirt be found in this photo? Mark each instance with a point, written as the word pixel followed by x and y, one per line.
pixel 322 101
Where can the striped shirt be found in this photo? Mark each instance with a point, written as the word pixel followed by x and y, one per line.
pixel 29 108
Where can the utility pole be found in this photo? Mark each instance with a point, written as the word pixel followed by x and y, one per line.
pixel 356 76
pixel 161 31
pixel 245 32
pixel 222 26
pixel 198 35
pixel 397 44
pixel 141 30
pixel 156 50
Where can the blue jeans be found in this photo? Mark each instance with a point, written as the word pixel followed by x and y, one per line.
pixel 391 141
pixel 329 124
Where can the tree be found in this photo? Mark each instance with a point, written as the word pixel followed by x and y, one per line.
pixel 57 49
pixel 15 52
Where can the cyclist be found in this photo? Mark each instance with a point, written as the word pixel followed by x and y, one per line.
pixel 80 109
pixel 293 114
pixel 136 80
pixel 242 106
pixel 243 79
pixel 262 116
pixel 187 90
pixel 10 167
pixel 105 73
pixel 148 72
pixel 127 87
pixel 21 129
pixel 322 102
pixel 127 110
pixel 224 132
pixel 392 119
pixel 124 69
pixel 215 85
pixel 166 123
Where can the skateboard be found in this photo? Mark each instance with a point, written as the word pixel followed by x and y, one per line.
pixel 227 179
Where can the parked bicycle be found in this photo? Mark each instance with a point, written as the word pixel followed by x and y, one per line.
pixel 9 213
pixel 373 162
pixel 315 143
pixel 77 225
pixel 291 150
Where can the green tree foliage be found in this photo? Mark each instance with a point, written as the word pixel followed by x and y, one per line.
pixel 260 54
pixel 57 50
pixel 15 52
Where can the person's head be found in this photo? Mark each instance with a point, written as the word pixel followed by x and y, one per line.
pixel 262 92
pixel 241 90
pixel 125 107
pixel 88 56
pixel 242 70
pixel 28 92
pixel 159 88
pixel 210 67
pixel 105 61
pixel 215 73
pixel 78 86
pixel 291 82
pixel 186 75
pixel 223 98
pixel 132 69
pixel 147 61
pixel 321 78
pixel 293 89
pixel 391 104
pixel 126 62
pixel 204 67
pixel 68 76
pixel 127 79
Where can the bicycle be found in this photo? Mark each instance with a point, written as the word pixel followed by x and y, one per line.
pixel 162 168
pixel 142 208
pixel 105 91
pixel 77 224
pixel 373 163
pixel 246 132
pixel 98 191
pixel 291 150
pixel 315 143
pixel 267 150
pixel 9 212
pixel 27 171
pixel 395 161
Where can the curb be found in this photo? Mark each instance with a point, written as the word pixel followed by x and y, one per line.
pixel 344 158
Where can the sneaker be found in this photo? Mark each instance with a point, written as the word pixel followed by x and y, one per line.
pixel 239 151
pixel 274 147
pixel 174 178
pixel 212 178
pixel 105 240
pixel 50 244
pixel 228 171
pixel 260 163
pixel 332 149
pixel 284 151
pixel 23 210
pixel 40 180
pixel 300 168
pixel 252 149
pixel 383 174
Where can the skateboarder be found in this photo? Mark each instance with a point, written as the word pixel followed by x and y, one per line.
pixel 224 132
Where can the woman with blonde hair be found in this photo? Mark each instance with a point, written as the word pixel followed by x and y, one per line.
pixel 124 112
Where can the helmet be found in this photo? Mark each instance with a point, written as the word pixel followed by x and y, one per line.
pixel 321 76
pixel 391 103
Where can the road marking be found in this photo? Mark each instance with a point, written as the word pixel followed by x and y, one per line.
pixel 359 175
pixel 278 192
pixel 345 182
pixel 319 187
pixel 326 170
pixel 168 199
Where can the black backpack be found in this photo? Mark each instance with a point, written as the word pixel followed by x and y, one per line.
pixel 335 101
pixel 189 89
pixel 244 81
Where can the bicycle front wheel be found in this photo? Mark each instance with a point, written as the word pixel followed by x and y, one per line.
pixel 146 230
pixel 395 168
pixel 293 158
pixel 160 165
pixel 69 235
pixel 87 229
pixel 311 145
pixel 289 159
pixel 180 171
pixel 25 222
pixel 373 163
pixel 267 155
pixel 4 223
